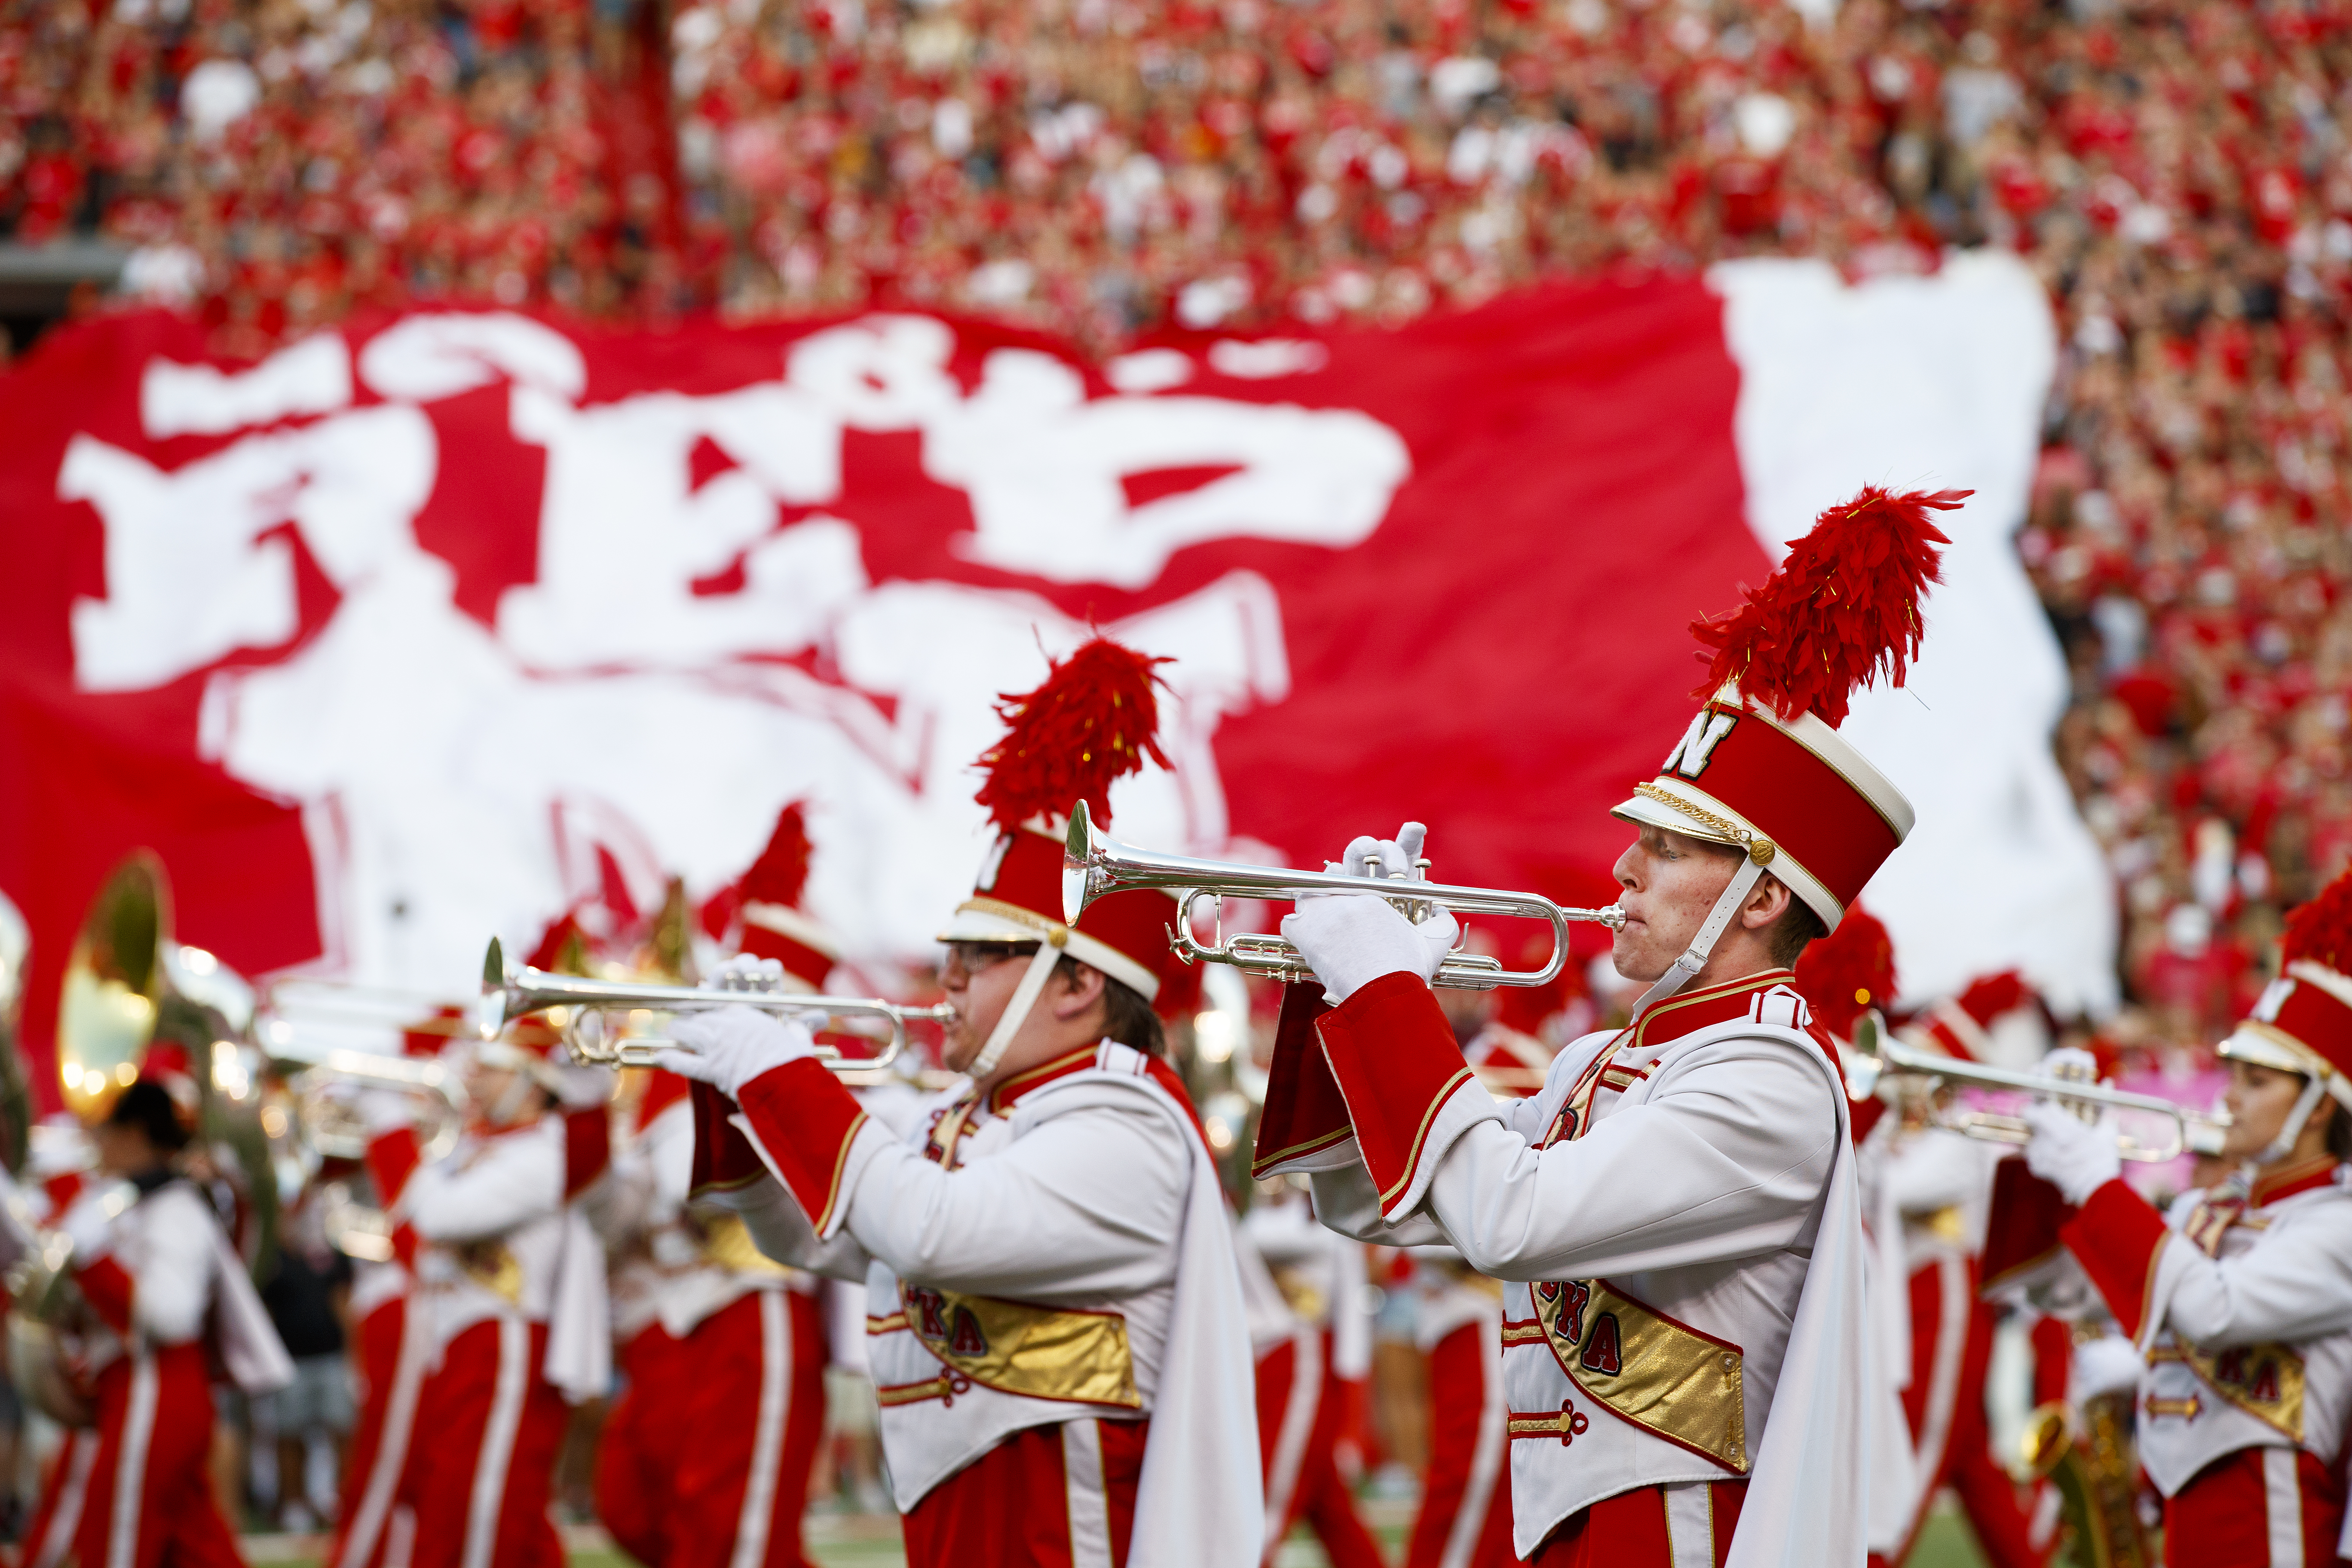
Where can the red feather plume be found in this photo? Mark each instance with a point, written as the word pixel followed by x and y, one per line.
pixel 1844 975
pixel 2320 928
pixel 1989 995
pixel 1094 719
pixel 1843 608
pixel 782 870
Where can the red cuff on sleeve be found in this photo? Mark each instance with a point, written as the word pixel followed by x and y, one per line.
pixel 2022 1223
pixel 391 1159
pixel 1394 1056
pixel 108 1286
pixel 805 1120
pixel 587 1148
pixel 403 1247
pixel 1304 1109
pixel 723 1158
pixel 2118 1236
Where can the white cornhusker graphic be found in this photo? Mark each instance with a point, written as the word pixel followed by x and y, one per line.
pixel 459 782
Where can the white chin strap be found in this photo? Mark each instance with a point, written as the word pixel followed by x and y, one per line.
pixel 1016 1010
pixel 2284 1144
pixel 1694 957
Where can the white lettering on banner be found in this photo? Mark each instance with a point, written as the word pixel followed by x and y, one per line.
pixel 313 376
pixel 189 575
pixel 458 781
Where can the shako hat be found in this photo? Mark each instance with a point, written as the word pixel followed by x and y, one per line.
pixel 1094 719
pixel 1761 766
pixel 2303 1022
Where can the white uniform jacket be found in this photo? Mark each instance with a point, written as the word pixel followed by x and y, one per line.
pixel 1059 1251
pixel 182 1279
pixel 2241 1302
pixel 1676 1220
pixel 497 1239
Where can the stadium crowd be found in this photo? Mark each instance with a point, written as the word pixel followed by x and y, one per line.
pixel 2177 170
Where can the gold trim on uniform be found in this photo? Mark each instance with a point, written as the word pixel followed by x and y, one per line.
pixel 1043 1352
pixel 2265 1379
pixel 1662 1376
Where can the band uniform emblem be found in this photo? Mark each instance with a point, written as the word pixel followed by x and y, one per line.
pixel 1013 1347
pixel 1664 1376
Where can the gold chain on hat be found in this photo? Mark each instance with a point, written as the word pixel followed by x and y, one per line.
pixel 1759 848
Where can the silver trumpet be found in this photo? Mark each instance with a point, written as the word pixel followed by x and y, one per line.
pixel 1094 864
pixel 328 1122
pixel 509 994
pixel 1876 1055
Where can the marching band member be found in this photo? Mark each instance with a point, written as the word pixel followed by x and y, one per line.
pixel 2240 1302
pixel 1925 1193
pixel 1054 1322
pixel 705 1459
pixel 1321 1279
pixel 391 1344
pixel 156 1268
pixel 1674 1216
pixel 512 1282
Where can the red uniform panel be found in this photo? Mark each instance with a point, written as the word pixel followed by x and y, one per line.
pixel 491 1427
pixel 1019 1506
pixel 2231 1512
pixel 150 1498
pixel 390 1372
pixel 1464 1369
pixel 1628 1531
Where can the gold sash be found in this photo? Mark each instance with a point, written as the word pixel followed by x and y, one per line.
pixel 2265 1381
pixel 1044 1352
pixel 1664 1377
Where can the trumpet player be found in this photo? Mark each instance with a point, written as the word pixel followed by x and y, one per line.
pixel 1675 1215
pixel 704 1461
pixel 511 1280
pixel 2240 1302
pixel 153 1264
pixel 1054 1317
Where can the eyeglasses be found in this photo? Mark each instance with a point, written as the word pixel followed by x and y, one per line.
pixel 965 960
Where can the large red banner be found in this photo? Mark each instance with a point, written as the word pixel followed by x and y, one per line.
pixel 420 631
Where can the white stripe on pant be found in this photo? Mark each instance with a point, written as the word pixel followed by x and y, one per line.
pixel 1297 1425
pixel 1487 1457
pixel 488 1499
pixel 391 1443
pixel 131 1469
pixel 79 1460
pixel 2283 1502
pixel 768 1436
pixel 1082 1475
pixel 1690 1524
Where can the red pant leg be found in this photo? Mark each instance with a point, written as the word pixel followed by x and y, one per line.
pixel 490 1428
pixel 755 1373
pixel 639 1449
pixel 1465 1520
pixel 1012 1507
pixel 393 1347
pixel 150 1499
pixel 1325 1501
pixel 2222 1518
pixel 1987 1492
pixel 1628 1531
pixel 65 1487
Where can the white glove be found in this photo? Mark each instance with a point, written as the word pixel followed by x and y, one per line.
pixel 1352 939
pixel 730 1047
pixel 2107 1364
pixel 89 1228
pixel 2075 1156
pixel 764 974
pixel 580 1086
pixel 1396 855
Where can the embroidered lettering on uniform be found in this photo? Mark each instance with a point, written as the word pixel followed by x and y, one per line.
pixel 1575 1294
pixel 928 1305
pixel 1696 748
pixel 1600 1353
pixel 1044 1352
pixel 2266 1381
pixel 1563 1127
pixel 967 1340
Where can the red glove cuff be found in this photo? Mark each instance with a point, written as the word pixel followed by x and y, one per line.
pixel 806 1121
pixel 1396 1062
pixel 2119 1237
pixel 1304 1109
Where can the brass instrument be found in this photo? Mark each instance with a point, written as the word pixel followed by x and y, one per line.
pixel 2088 1455
pixel 328 1124
pixel 1094 864
pixel 1877 1056
pixel 581 1003
pixel 49 1320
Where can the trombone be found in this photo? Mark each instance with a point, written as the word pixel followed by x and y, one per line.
pixel 328 1124
pixel 509 994
pixel 1877 1056
pixel 1094 864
